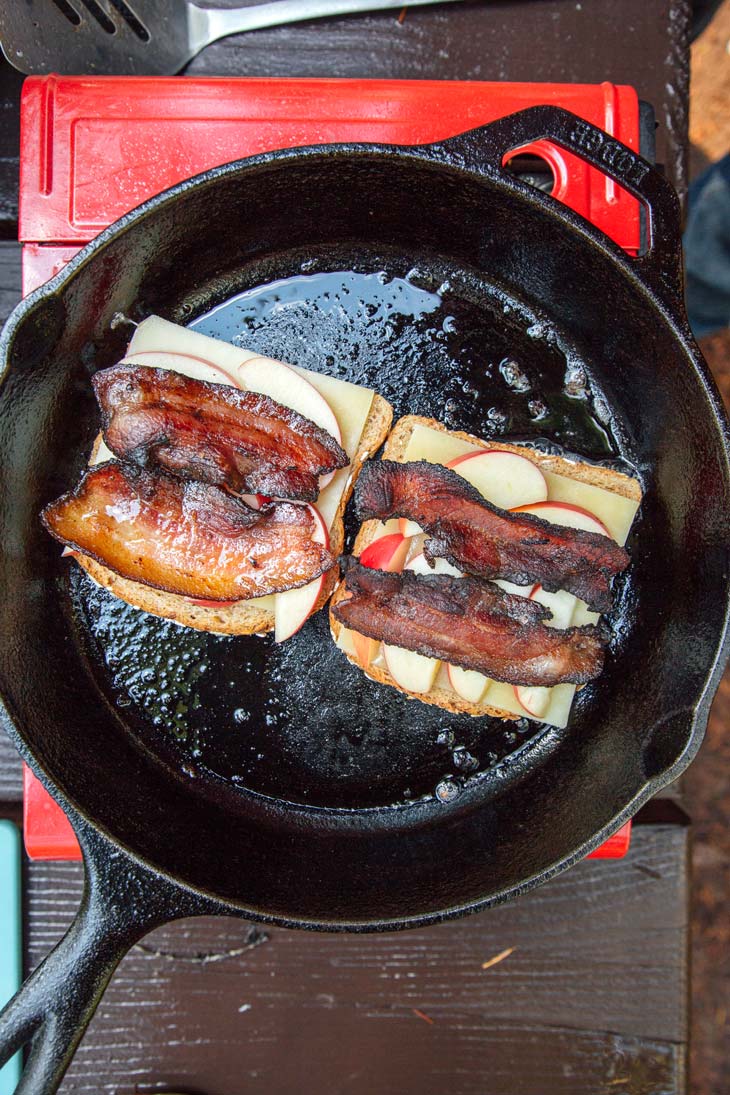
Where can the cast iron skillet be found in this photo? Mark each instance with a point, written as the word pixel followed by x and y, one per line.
pixel 326 823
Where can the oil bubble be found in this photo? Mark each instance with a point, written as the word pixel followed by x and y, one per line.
pixel 513 375
pixel 464 760
pixel 447 790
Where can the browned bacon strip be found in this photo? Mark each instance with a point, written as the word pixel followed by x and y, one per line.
pixel 188 538
pixel 468 623
pixel 214 433
pixel 489 542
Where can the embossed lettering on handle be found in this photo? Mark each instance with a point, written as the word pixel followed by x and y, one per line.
pixel 609 153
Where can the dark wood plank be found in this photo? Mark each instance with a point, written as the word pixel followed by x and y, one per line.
pixel 592 998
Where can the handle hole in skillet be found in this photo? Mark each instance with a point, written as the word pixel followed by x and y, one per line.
pixel 533 170
pixel 586 189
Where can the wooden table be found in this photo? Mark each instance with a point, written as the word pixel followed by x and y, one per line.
pixel 592 996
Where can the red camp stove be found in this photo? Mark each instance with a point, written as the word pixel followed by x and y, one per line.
pixel 93 148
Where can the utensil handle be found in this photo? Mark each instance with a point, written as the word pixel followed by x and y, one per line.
pixel 661 266
pixel 210 24
pixel 122 901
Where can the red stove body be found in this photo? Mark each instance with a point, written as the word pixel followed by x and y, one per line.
pixel 93 148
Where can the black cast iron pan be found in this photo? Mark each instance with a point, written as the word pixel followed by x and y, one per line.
pixel 205 775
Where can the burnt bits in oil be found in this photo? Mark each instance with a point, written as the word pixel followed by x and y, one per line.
pixel 297 721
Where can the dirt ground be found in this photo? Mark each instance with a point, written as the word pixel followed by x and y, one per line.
pixel 707 784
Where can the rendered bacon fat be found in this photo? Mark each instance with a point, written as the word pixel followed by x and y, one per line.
pixel 468 623
pixel 187 538
pixel 489 542
pixel 213 433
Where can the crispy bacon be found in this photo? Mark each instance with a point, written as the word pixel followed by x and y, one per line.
pixel 486 541
pixel 469 623
pixel 213 433
pixel 192 539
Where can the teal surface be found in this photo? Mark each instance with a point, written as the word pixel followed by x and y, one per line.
pixel 11 936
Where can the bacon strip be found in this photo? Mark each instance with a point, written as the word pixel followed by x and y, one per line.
pixel 468 623
pixel 187 538
pixel 486 541
pixel 213 433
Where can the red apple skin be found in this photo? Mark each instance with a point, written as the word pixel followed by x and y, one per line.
pixel 365 648
pixel 388 553
pixel 535 508
pixel 225 376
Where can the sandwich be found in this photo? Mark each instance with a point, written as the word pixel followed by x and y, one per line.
pixel 480 572
pixel 216 488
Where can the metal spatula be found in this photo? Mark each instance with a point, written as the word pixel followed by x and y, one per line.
pixel 142 37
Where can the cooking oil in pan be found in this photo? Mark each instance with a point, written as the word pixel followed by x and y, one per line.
pixel 297 721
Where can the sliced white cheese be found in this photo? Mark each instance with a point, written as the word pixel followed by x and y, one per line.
pixel 616 512
pixel 503 695
pixel 155 333
pixel 435 446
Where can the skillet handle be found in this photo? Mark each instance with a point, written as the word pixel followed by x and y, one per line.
pixel 662 266
pixel 122 901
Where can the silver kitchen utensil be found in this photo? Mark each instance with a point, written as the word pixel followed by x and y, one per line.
pixel 143 37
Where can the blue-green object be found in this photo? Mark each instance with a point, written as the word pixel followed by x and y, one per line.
pixel 11 937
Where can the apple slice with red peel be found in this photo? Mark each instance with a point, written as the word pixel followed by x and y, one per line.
pixel 387 553
pixel 562 605
pixel 566 514
pixel 414 672
pixel 409 528
pixel 467 683
pixel 294 607
pixel 420 565
pixel 534 698
pixel 503 478
pixel 285 385
pixel 186 364
pixel 365 648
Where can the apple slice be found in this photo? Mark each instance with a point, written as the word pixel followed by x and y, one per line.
pixel 535 699
pixel 583 615
pixel 277 380
pixel 409 528
pixel 387 553
pixel 414 672
pixel 510 587
pixel 562 605
pixel 503 478
pixel 294 607
pixel 365 648
pixel 186 364
pixel 566 514
pixel 467 683
pixel 420 565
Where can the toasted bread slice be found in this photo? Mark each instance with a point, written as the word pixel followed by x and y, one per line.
pixel 396 446
pixel 257 616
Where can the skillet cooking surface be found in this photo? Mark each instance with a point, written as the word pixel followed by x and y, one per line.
pixel 297 721
pixel 274 855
